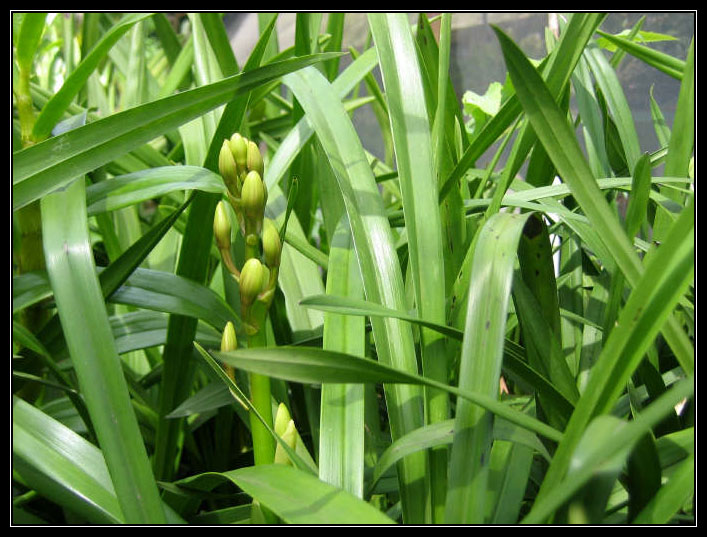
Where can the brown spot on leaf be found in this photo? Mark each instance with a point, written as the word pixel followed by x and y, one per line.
pixel 533 227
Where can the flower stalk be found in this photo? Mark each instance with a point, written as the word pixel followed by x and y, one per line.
pixel 242 168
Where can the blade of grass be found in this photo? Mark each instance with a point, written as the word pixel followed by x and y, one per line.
pixel 480 367
pixel 301 133
pixel 415 163
pixel 315 365
pixel 115 275
pixel 599 454
pixel 85 324
pixel 608 82
pixel 671 496
pixel 682 138
pixel 556 135
pixel 669 271
pixel 65 467
pixel 663 62
pixel 134 188
pixel 514 355
pixel 380 270
pixel 62 465
pixel 53 163
pixel 341 438
pixel 51 113
pixel 551 127
pixel 442 433
pixel 300 498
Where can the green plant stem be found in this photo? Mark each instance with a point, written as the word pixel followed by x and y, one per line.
pixel 260 393
pixel 263 443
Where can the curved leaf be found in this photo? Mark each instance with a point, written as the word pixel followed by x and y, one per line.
pixel 295 496
pixel 51 164
pixel 132 188
pixel 85 325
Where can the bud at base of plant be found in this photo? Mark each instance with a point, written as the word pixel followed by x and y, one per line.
pixel 290 438
pixel 282 418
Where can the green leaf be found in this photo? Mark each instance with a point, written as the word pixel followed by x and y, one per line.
pixel 442 433
pixel 341 437
pixel 558 138
pixel 671 496
pixel 53 163
pixel 300 498
pixel 661 61
pixel 60 101
pixel 597 455
pixel 312 365
pixel 489 293
pixel 29 37
pixel 669 270
pixel 85 324
pixel 382 277
pixel 514 356
pixel 415 159
pixel 682 139
pixel 62 465
pixel 130 189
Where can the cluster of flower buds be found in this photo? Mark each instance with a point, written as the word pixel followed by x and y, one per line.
pixel 241 166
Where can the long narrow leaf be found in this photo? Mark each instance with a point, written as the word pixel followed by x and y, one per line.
pixel 312 365
pixel 53 163
pixel 90 342
pixel 341 437
pixel 482 353
pixel 382 278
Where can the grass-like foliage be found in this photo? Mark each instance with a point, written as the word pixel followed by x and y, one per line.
pixel 228 307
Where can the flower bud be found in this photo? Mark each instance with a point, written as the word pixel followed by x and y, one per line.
pixel 264 277
pixel 290 438
pixel 251 280
pixel 272 247
pixel 228 170
pixel 255 159
pixel 228 340
pixel 239 149
pixel 253 196
pixel 222 227
pixel 282 417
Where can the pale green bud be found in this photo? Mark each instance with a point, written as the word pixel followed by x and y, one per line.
pixel 228 170
pixel 282 417
pixel 251 280
pixel 222 227
pixel 255 159
pixel 228 340
pixel 265 277
pixel 239 148
pixel 272 247
pixel 253 196
pixel 290 438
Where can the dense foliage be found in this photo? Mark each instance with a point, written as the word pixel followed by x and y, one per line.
pixel 228 307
